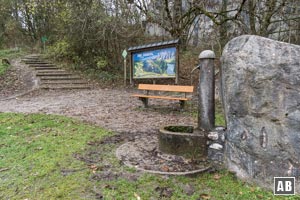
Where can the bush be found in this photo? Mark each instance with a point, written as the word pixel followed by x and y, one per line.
pixel 60 50
pixel 101 63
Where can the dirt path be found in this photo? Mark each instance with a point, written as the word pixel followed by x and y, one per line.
pixel 113 109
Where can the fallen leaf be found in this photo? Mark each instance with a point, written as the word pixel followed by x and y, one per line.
pixel 3 169
pixel 137 196
pixel 94 168
pixel 108 186
pixel 205 196
pixel 165 168
pixel 217 176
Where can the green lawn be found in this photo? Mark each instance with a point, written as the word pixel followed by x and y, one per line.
pixel 3 67
pixel 219 114
pixel 36 150
pixel 54 157
pixel 8 54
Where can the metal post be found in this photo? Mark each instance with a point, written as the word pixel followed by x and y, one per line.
pixel 130 69
pixel 125 73
pixel 206 90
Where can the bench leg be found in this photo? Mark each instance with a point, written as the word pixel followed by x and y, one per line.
pixel 182 104
pixel 145 101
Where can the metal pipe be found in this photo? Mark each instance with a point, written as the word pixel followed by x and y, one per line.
pixel 191 74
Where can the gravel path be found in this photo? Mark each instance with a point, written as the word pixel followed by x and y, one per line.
pixel 113 109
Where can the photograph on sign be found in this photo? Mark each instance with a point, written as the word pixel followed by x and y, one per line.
pixel 159 63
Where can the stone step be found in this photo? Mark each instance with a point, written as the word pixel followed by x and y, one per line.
pixel 32 56
pixel 70 81
pixel 36 62
pixel 45 68
pixel 60 78
pixel 52 71
pixel 68 86
pixel 33 60
pixel 54 74
pixel 30 59
pixel 42 65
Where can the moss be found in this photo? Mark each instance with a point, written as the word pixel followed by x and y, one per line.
pixel 180 129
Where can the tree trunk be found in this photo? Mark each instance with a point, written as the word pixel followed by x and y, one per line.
pixel 223 27
pixel 251 13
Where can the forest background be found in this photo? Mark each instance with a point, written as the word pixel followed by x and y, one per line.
pixel 91 34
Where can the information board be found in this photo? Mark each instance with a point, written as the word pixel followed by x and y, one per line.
pixel 158 63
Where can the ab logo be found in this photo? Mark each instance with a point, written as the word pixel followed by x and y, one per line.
pixel 284 185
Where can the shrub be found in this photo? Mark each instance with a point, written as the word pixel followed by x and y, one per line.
pixel 101 63
pixel 60 50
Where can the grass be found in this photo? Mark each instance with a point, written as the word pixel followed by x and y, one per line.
pixel 35 150
pixel 54 157
pixel 219 114
pixel 3 68
pixel 205 186
pixel 8 54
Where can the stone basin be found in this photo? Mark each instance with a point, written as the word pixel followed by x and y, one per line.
pixel 183 140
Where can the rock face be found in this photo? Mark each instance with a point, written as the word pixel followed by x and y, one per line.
pixel 261 94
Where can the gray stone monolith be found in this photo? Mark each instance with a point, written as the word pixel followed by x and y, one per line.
pixel 261 97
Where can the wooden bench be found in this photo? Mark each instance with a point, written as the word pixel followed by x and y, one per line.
pixel 165 88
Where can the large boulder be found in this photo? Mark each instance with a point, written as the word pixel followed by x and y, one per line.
pixel 261 96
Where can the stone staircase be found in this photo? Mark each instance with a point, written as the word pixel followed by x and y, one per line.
pixel 53 77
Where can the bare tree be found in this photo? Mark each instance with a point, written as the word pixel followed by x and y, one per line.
pixel 271 18
pixel 178 18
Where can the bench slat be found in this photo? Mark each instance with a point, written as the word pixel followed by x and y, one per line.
pixel 168 88
pixel 161 97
